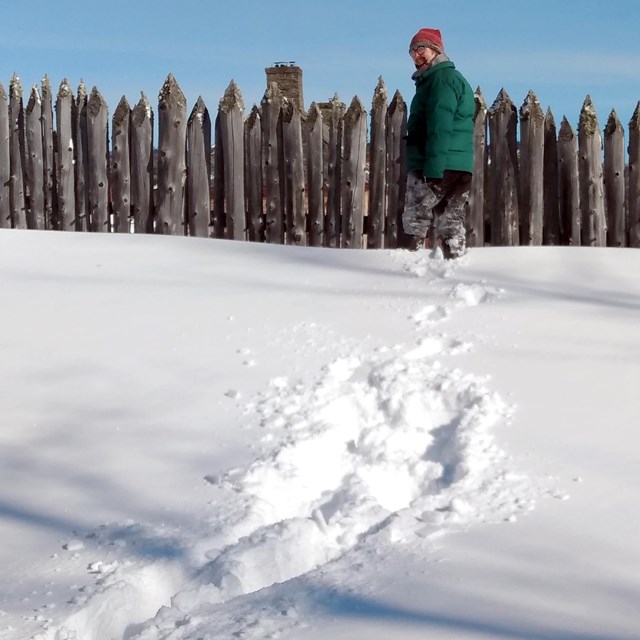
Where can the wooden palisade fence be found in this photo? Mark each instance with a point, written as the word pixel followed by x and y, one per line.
pixel 330 177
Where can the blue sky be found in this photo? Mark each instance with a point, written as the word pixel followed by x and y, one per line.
pixel 562 49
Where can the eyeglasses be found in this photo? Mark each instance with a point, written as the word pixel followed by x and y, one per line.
pixel 417 51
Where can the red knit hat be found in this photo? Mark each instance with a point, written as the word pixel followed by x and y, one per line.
pixel 431 38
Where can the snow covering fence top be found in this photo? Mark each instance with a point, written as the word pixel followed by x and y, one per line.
pixel 328 177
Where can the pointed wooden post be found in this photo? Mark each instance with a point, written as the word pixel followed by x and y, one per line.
pixel 569 185
pixel 503 119
pixel 65 158
pixel 315 174
pixel 34 158
pixel 142 166
pixel 219 214
pixel 634 179
pixel 333 219
pixel 98 162
pixel 172 110
pixel 273 157
pixel 592 199
pixel 475 223
pixel 198 196
pixel 121 167
pixel 396 172
pixel 49 186
pixel 551 226
pixel 232 131
pixel 81 167
pixel 531 170
pixel 377 167
pixel 17 153
pixel 296 229
pixel 614 182
pixel 355 160
pixel 5 161
pixel 253 175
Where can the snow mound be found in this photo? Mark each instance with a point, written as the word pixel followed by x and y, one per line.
pixel 382 449
pixel 390 447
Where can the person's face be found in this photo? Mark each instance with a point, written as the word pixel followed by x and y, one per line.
pixel 422 55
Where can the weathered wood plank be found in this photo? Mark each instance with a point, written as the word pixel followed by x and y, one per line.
pixel 614 183
pixel 219 214
pixel 333 218
pixel 272 146
pixel 569 186
pixel 315 174
pixel 5 161
pixel 355 159
pixel 172 110
pixel 551 226
pixel 634 179
pixel 503 163
pixel 34 161
pixel 592 200
pixel 198 207
pixel 377 167
pixel 231 111
pixel 121 167
pixel 531 171
pixel 253 175
pixel 475 223
pixel 65 157
pixel 81 166
pixel 142 166
pixel 17 155
pixel 98 162
pixel 296 228
pixel 50 207
pixel 396 172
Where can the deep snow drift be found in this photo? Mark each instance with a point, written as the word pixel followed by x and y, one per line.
pixel 205 439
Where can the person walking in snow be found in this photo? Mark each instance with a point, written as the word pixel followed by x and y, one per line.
pixel 439 148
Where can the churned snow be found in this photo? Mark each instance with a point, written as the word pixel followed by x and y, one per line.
pixel 208 439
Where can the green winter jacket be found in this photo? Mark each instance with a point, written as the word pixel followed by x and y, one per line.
pixel 440 125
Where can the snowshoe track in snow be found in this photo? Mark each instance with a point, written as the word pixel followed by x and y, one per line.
pixel 379 449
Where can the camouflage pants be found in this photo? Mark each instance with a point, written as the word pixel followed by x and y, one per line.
pixel 438 207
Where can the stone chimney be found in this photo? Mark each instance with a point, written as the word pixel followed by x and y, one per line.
pixel 288 77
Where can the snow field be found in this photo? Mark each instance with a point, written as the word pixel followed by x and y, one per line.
pixel 383 448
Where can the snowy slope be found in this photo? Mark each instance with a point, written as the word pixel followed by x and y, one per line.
pixel 206 439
